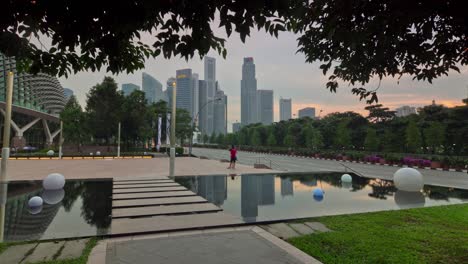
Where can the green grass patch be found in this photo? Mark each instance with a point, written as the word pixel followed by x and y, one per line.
pixel 83 259
pixel 3 246
pixel 424 235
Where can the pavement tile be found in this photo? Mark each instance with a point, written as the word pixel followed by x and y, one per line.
pixel 281 230
pixel 317 226
pixel 15 254
pixel 124 196
pixel 44 252
pixel 158 201
pixel 164 210
pixel 73 249
pixel 302 229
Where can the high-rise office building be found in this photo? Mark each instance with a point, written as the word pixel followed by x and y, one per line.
pixel 128 88
pixel 405 111
pixel 169 87
pixel 265 106
pixel 248 92
pixel 185 93
pixel 220 113
pixel 206 106
pixel 152 88
pixel 195 95
pixel 236 127
pixel 307 112
pixel 287 187
pixel 285 108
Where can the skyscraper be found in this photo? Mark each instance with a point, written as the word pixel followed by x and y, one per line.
pixel 220 113
pixel 248 92
pixel 185 93
pixel 206 116
pixel 152 88
pixel 265 106
pixel 128 88
pixel 307 112
pixel 195 95
pixel 236 127
pixel 285 109
pixel 405 111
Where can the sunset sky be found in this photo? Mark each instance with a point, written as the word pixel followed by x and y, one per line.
pixel 279 68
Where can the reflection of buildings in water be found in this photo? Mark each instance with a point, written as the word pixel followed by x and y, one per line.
pixel 286 187
pixel 381 188
pixel 249 199
pixel 256 190
pixel 19 223
pixel 266 192
pixel 212 188
pixel 310 182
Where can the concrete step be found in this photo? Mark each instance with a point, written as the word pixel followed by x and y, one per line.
pixel 164 210
pixel 147 190
pixel 157 201
pixel 166 223
pixel 145 195
pixel 147 185
pixel 141 182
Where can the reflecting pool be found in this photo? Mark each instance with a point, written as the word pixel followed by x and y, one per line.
pixel 288 196
pixel 81 208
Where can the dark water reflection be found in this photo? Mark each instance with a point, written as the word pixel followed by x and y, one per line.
pixel 84 210
pixel 289 196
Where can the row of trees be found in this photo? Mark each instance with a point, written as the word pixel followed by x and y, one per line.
pixel 106 106
pixel 435 130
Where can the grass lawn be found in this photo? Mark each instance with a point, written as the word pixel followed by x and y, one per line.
pixel 424 235
pixel 83 259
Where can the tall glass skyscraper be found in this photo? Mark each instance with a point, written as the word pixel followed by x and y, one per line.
pixel 206 118
pixel 265 106
pixel 185 93
pixel 248 92
pixel 220 113
pixel 128 88
pixel 152 88
pixel 285 108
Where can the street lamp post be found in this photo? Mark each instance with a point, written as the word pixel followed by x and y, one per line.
pixel 195 119
pixel 173 130
pixel 61 140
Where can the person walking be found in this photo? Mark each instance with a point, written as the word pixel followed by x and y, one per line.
pixel 233 151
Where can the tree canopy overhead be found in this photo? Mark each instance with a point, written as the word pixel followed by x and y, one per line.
pixel 355 40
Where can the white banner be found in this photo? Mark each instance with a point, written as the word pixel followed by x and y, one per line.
pixel 159 132
pixel 168 129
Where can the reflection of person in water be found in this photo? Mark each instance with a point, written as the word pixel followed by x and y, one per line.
pixel 233 176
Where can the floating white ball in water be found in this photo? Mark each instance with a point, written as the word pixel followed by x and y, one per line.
pixel 53 196
pixel 54 181
pixel 406 199
pixel 50 153
pixel 408 179
pixel 346 178
pixel 98 153
pixel 35 201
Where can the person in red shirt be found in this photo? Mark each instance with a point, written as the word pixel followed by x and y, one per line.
pixel 233 152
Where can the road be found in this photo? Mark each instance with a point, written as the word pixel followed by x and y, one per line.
pixel 297 164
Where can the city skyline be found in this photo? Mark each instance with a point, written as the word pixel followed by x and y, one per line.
pixel 284 71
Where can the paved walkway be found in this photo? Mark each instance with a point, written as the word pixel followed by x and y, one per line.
pixel 240 245
pixel 121 168
pixel 295 164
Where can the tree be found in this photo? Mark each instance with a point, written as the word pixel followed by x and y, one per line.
pixel 413 138
pixel 289 141
pixel 183 125
pixel 103 109
pixel 134 118
pixel 256 139
pixel 271 140
pixel 314 139
pixel 372 141
pixel 205 138
pixel 73 118
pixel 220 139
pixel 378 113
pixel 342 137
pixel 434 136
pixel 357 41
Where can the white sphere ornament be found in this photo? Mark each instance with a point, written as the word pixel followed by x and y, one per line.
pixel 50 153
pixel 35 210
pixel 35 202
pixel 54 181
pixel 346 178
pixel 408 179
pixel 98 153
pixel 53 196
pixel 346 185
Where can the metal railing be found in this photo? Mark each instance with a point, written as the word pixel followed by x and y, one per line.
pixel 352 170
pixel 268 162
